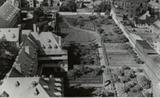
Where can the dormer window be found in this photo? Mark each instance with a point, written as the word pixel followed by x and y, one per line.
pixel 34 83
pixel 55 46
pixel 36 92
pixel 50 47
pixel 49 40
pixel 17 84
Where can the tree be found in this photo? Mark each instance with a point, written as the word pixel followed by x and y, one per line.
pixel 93 17
pixel 100 30
pixel 69 5
pixel 125 67
pixel 102 7
pixel 136 88
pixel 144 82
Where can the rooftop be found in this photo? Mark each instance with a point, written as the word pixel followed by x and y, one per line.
pixel 154 4
pixel 8 11
pixel 50 43
pixel 26 61
pixel 31 87
pixel 10 34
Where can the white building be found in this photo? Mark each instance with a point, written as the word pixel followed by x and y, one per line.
pixel 10 34
pixel 31 87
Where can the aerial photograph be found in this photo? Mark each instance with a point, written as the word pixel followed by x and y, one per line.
pixel 79 48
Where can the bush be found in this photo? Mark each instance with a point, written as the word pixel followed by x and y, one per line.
pixel 69 5
pixel 102 7
pixel 124 79
pixel 126 89
pixel 125 67
pixel 92 17
pixel 144 82
pixel 101 31
pixel 136 88
pixel 148 94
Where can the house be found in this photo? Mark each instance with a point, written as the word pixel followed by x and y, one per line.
pixel 26 63
pixel 8 15
pixel 54 57
pixel 51 56
pixel 31 87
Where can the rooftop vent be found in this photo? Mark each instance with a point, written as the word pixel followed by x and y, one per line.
pixel 49 40
pixel 4 94
pixel 36 92
pixel 50 47
pixel 34 83
pixel 57 94
pixel 55 46
pixel 44 47
pixel 17 84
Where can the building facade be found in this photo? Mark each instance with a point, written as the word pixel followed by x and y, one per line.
pixel 131 8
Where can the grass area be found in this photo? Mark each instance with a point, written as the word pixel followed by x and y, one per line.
pixel 112 34
pixel 122 53
pixel 121 59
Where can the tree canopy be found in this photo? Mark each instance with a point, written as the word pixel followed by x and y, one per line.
pixel 68 5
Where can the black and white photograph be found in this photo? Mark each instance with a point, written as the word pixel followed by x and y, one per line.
pixel 79 48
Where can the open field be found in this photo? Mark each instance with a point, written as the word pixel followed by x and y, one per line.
pixel 121 59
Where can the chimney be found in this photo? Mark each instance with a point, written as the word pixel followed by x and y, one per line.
pixel 59 41
pixel 34 28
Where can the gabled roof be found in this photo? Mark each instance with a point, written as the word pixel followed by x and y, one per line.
pixel 23 87
pixel 10 34
pixel 8 11
pixel 26 62
pixel 32 87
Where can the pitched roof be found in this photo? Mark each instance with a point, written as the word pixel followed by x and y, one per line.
pixel 32 87
pixel 22 87
pixel 8 11
pixel 10 34
pixel 26 62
